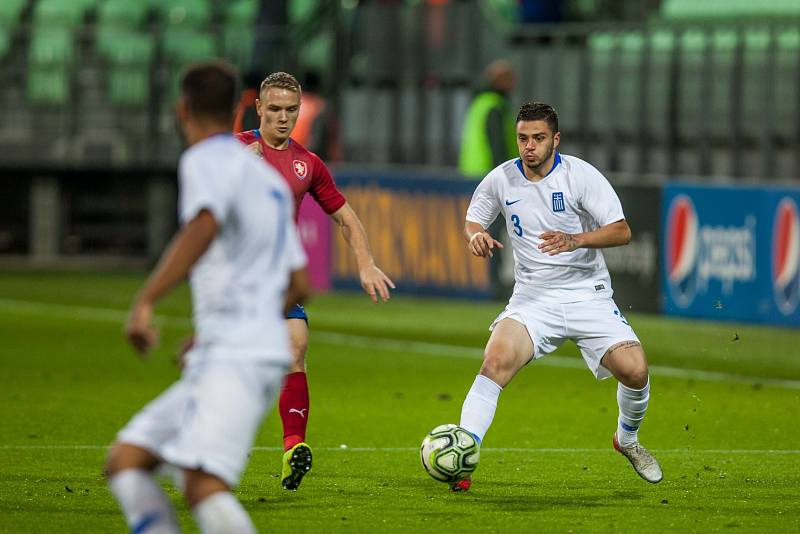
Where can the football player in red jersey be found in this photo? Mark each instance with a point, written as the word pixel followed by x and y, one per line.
pixel 278 106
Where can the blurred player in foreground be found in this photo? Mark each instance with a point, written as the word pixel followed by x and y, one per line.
pixel 560 211
pixel 239 245
pixel 278 106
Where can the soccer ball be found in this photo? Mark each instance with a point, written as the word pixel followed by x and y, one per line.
pixel 449 453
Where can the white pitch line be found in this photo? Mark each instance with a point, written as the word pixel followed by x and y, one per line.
pixel 350 340
pixel 531 450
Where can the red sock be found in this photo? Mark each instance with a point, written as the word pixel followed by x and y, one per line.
pixel 293 406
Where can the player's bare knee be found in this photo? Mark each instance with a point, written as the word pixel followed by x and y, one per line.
pixel 123 456
pixel 498 361
pixel 200 486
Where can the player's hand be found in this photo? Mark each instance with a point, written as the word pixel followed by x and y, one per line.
pixel 375 283
pixel 186 345
pixel 556 242
pixel 255 148
pixel 481 244
pixel 139 329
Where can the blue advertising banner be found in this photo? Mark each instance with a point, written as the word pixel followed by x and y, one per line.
pixel 731 253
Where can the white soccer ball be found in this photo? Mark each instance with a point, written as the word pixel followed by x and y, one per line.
pixel 449 453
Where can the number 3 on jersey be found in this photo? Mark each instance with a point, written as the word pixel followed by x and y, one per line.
pixel 517 227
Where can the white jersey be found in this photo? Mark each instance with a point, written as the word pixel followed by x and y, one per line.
pixel 573 198
pixel 238 285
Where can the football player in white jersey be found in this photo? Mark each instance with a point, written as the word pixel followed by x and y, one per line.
pixel 560 212
pixel 239 247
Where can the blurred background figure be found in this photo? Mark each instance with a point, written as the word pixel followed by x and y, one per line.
pixel 316 127
pixel 488 135
pixel 246 114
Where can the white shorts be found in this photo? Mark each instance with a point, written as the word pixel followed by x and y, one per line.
pixel 208 419
pixel 594 325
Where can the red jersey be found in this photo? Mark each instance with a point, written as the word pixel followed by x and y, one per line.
pixel 302 170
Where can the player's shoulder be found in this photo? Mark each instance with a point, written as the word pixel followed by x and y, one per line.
pixel 248 136
pixel 579 167
pixel 300 151
pixel 505 171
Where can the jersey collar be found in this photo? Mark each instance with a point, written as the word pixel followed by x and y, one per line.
pixel 556 162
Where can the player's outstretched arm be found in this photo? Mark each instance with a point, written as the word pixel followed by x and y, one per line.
pixel 373 280
pixel 185 249
pixel 611 235
pixel 479 242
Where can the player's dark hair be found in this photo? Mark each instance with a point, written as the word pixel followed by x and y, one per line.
pixel 539 111
pixel 281 80
pixel 211 89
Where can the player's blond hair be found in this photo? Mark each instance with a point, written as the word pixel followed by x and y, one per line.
pixel 281 80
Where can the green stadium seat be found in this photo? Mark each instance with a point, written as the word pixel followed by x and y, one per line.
pixel 755 76
pixel 723 50
pixel 122 14
pixel 50 57
pixel 51 46
pixel 184 13
pixel 662 48
pixel 238 33
pixel 182 46
pixel 10 11
pixel 787 72
pixel 130 56
pixel 5 42
pixel 602 46
pixel 63 13
pixel 728 9
pixel 631 56
pixel 691 104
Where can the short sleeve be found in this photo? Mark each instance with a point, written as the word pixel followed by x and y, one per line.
pixel 323 188
pixel 599 199
pixel 483 208
pixel 199 191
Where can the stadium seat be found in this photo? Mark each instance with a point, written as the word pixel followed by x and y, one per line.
pixel 787 72
pixel 10 11
pixel 61 13
pixel 631 52
pixel 723 50
pixel 691 104
pixel 122 14
pixel 183 13
pixel 662 49
pixel 180 47
pixel 728 9
pixel 51 54
pixel 602 46
pixel 238 33
pixel 130 58
pixel 5 42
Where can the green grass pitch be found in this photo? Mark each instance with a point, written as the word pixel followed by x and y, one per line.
pixel 723 420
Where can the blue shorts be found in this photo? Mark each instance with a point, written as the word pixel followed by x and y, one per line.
pixel 297 312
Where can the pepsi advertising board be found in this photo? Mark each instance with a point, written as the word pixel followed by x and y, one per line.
pixel 732 253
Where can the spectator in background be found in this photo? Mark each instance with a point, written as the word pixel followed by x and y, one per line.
pixel 487 139
pixel 316 127
pixel 246 114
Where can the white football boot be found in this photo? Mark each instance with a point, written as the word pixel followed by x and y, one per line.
pixel 643 462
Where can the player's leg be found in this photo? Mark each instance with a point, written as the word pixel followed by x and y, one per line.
pixel 294 405
pixel 508 350
pixel 129 470
pixel 213 505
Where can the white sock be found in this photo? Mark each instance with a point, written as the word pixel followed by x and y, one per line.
pixel 632 407
pixel 147 508
pixel 479 406
pixel 221 513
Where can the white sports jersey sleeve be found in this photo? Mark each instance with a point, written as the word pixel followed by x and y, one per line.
pixel 597 196
pixel 484 206
pixel 199 190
